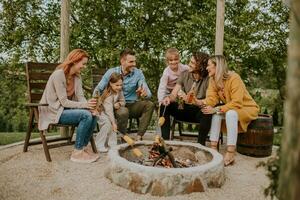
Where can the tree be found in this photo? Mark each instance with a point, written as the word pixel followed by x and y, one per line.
pixel 289 181
pixel 255 35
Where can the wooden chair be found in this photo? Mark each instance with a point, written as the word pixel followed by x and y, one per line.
pixel 97 74
pixel 184 136
pixel 37 75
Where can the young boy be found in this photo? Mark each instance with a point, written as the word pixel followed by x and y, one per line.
pixel 171 73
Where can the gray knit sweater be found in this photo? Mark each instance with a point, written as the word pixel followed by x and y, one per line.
pixel 55 95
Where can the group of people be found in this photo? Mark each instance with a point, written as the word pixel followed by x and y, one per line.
pixel 204 91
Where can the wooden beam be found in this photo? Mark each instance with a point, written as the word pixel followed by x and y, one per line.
pixel 219 42
pixel 64 29
pixel 64 39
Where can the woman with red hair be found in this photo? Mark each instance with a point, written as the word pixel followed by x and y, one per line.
pixel 67 104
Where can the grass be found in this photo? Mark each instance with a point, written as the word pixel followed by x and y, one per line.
pixel 12 137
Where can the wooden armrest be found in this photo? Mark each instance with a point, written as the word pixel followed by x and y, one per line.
pixel 36 104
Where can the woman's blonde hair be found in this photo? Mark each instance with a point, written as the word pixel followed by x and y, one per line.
pixel 222 72
pixel 73 57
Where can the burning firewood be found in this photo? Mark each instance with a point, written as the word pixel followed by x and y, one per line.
pixel 161 155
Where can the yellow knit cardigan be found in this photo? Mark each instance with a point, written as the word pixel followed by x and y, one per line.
pixel 236 98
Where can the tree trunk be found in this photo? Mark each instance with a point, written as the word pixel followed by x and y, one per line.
pixel 289 179
pixel 220 27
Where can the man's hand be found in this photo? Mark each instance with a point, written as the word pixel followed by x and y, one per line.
pixel 141 91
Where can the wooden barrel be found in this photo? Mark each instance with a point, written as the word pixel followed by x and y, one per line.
pixel 258 140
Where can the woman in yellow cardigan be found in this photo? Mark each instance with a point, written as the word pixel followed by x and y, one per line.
pixel 238 108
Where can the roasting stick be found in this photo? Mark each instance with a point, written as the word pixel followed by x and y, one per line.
pixel 130 142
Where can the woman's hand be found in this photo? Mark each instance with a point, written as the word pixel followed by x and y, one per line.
pixel 181 94
pixel 117 105
pixel 208 110
pixel 92 104
pixel 199 102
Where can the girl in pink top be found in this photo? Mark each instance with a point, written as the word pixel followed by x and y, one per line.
pixel 170 74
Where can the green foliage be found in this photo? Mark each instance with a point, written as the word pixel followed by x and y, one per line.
pixel 272 166
pixel 255 39
pixel 270 103
pixel 13 114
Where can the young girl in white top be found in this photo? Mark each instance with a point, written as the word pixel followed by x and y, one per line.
pixel 111 99
pixel 171 73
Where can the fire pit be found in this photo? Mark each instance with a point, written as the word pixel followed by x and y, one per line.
pixel 196 168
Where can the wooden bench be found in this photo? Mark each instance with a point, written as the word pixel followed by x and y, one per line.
pixel 186 136
pixel 37 75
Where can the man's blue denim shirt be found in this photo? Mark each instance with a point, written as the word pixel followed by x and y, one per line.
pixel 131 82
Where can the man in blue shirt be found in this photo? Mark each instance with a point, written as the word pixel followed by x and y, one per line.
pixel 136 93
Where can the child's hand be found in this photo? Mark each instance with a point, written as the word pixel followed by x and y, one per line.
pixel 117 105
pixel 166 101
pixel 114 127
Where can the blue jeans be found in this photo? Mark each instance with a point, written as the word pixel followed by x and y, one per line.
pixel 84 121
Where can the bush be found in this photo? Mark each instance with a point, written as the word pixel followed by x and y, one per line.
pixel 272 165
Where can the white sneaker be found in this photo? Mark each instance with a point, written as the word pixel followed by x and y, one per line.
pixel 102 149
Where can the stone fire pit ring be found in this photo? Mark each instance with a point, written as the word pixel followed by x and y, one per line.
pixel 163 181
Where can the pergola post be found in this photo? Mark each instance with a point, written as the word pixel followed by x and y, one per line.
pixel 64 41
pixel 64 29
pixel 219 42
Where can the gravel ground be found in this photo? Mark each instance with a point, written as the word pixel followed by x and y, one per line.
pixel 28 176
